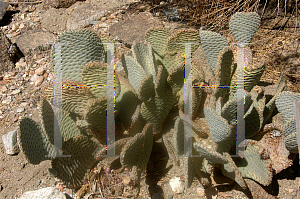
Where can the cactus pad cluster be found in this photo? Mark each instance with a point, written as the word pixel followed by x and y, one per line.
pixel 152 87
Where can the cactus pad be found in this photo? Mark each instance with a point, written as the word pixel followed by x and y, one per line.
pixel 176 41
pixel 146 89
pixel 77 49
pixel 243 26
pixel 95 113
pixel 206 151
pixel 254 167
pixel 136 151
pixel 212 43
pixel 285 104
pixel 72 171
pixel 219 128
pixel 158 38
pixel 34 143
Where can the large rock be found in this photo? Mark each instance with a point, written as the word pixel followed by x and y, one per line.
pixel 54 20
pixel 3 6
pixel 83 14
pixel 6 62
pixel 134 27
pixel 34 41
pixel 49 193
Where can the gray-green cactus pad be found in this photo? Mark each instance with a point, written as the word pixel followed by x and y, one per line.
pixel 254 167
pixel 95 113
pixel 176 78
pixel 156 110
pixel 220 130
pixel 94 74
pixel 291 142
pixel 68 129
pixel 143 55
pixel 177 41
pixel 158 38
pixel 72 171
pixel 34 143
pixel 127 101
pixel 285 104
pixel 206 151
pixel 77 49
pixel 136 151
pixel 136 72
pixel 146 89
pixel 161 84
pixel 243 26
pixel 74 99
pixel 212 43
pixel 231 170
pixel 224 71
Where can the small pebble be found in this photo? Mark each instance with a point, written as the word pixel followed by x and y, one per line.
pixel 21 26
pixel 20 110
pixel 39 80
pixel 40 71
pixel 15 92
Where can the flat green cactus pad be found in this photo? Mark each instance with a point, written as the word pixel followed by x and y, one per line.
pixel 229 110
pixel 243 26
pixel 270 106
pixel 136 151
pixel 176 78
pixel 178 136
pixel 156 110
pixel 230 170
pixel 34 143
pixel 224 71
pixel 253 75
pixel 289 127
pixel 290 133
pixel 285 104
pixel 158 38
pixel 212 43
pixel 161 84
pixel 254 167
pixel 72 171
pixel 206 151
pixel 143 55
pixel 77 49
pixel 69 128
pixel 136 72
pixel 291 142
pixel 220 130
pixel 127 102
pixel 146 89
pixel 172 61
pixel 177 41
pixel 95 113
pixel 95 74
pixel 74 99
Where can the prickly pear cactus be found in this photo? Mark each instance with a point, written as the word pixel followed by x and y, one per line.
pixel 151 93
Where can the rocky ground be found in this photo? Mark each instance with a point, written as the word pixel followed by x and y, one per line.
pixel 32 26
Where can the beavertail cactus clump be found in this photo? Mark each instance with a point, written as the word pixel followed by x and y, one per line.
pixel 152 92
